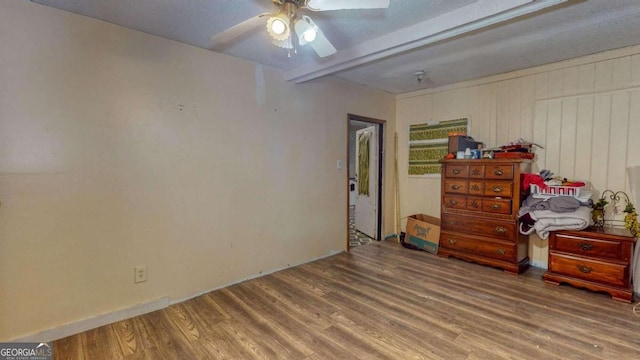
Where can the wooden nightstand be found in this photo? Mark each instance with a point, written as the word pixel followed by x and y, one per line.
pixel 596 259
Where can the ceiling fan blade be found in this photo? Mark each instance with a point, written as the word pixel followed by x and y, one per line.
pixel 325 5
pixel 322 45
pixel 225 37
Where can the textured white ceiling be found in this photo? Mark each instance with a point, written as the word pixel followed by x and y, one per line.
pixel 574 28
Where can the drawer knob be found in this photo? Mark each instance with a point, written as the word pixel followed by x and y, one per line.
pixel 451 241
pixel 475 187
pixel 585 247
pixel 495 206
pixel 453 202
pixel 475 172
pixel 498 172
pixel 474 204
pixel 497 189
pixel 584 269
pixel 501 230
pixel 456 171
pixel 455 186
pixel 501 251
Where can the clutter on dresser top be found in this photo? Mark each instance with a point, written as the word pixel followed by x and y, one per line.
pixel 462 146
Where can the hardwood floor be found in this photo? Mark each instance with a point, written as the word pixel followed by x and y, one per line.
pixel 380 301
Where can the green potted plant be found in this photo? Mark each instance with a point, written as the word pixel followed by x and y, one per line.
pixel 597 212
pixel 631 219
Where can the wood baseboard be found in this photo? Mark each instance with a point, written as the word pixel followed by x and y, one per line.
pixel 94 322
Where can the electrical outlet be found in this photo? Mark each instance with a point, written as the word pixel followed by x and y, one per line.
pixel 139 274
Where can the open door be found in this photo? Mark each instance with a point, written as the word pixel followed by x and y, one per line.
pixel 366 169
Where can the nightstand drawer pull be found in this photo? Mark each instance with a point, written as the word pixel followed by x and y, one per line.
pixel 495 206
pixel 585 247
pixel 498 189
pixel 455 186
pixel 456 171
pixel 584 269
pixel 501 251
pixel 501 230
pixel 498 172
pixel 475 187
pixel 453 202
pixel 451 241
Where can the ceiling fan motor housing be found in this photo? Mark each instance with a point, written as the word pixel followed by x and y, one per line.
pixel 297 3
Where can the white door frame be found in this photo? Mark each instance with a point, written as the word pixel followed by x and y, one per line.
pixel 381 158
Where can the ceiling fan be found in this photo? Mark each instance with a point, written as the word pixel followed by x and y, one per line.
pixel 288 23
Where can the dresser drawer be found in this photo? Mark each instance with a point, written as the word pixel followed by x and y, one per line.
pixel 475 187
pixel 474 203
pixel 586 247
pixel 504 230
pixel 456 171
pixel 476 171
pixel 455 186
pixel 588 269
pixel 496 206
pixel 498 172
pixel 454 202
pixel 498 188
pixel 492 249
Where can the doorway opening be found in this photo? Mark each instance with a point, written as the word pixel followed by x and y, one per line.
pixel 365 175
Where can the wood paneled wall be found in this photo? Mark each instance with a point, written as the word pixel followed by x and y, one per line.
pixel 585 112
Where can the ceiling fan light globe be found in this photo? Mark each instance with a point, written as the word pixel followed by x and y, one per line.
pixel 278 27
pixel 310 35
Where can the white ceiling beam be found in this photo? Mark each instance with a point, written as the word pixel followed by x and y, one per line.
pixel 468 18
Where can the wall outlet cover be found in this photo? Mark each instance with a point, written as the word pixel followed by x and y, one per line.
pixel 140 274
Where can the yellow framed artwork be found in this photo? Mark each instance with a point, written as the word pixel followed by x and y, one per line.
pixel 429 142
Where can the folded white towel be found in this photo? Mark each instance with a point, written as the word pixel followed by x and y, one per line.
pixel 547 220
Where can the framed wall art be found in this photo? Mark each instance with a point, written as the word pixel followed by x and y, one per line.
pixel 429 142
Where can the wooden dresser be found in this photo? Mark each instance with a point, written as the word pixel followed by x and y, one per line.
pixel 596 259
pixel 480 203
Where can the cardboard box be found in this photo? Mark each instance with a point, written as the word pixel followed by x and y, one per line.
pixel 423 231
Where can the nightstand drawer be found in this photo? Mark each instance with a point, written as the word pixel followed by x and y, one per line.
pixel 587 269
pixel 587 247
pixel 503 230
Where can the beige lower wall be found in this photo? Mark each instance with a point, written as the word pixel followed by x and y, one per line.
pixel 585 112
pixel 120 149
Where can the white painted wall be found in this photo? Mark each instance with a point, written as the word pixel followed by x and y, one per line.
pixel 119 149
pixel 585 112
